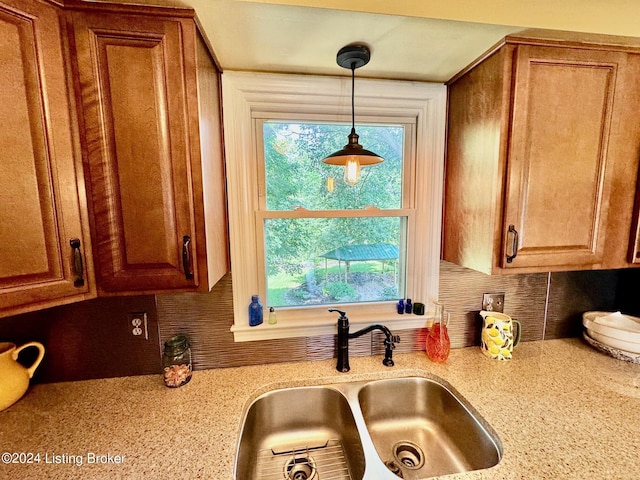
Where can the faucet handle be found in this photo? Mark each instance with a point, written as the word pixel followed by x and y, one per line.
pixel 343 316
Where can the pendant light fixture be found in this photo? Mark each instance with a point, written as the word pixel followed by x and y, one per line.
pixel 353 156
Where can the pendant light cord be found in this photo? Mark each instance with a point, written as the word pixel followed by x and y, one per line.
pixel 353 103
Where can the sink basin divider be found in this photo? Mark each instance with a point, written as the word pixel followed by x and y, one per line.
pixel 374 466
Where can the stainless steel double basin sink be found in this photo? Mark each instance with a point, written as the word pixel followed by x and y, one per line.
pixel 407 427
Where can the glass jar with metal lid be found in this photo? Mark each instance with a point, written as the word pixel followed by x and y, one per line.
pixel 176 361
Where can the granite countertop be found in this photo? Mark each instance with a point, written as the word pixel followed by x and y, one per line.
pixel 561 409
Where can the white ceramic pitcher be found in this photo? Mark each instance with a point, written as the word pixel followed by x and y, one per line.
pixel 498 338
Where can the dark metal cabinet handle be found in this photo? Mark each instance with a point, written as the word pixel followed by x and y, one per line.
pixel 514 245
pixel 186 257
pixel 78 265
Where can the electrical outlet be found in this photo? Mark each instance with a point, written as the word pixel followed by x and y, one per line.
pixel 493 302
pixel 138 324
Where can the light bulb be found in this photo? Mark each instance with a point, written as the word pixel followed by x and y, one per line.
pixel 330 184
pixel 352 170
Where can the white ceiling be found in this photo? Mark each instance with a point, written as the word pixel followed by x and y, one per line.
pixel 426 40
pixel 283 38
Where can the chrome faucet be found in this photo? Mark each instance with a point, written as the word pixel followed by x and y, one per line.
pixel 344 336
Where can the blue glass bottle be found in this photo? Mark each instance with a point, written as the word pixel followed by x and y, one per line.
pixel 255 311
pixel 400 306
pixel 408 308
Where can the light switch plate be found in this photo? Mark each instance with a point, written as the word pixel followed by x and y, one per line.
pixel 493 302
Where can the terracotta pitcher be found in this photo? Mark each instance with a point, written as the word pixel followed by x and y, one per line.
pixel 14 377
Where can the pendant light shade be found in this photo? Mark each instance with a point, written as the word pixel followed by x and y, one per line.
pixel 353 155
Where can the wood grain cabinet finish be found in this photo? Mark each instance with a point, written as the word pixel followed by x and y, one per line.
pixel 140 76
pixel 541 142
pixel 634 241
pixel 44 235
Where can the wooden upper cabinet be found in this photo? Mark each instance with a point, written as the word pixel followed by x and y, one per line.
pixel 139 86
pixel 558 182
pixel 541 142
pixel 43 226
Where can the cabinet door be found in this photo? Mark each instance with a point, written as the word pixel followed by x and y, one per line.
pixel 557 180
pixel 40 209
pixel 132 84
pixel 634 241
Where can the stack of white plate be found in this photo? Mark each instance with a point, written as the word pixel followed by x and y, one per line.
pixel 613 333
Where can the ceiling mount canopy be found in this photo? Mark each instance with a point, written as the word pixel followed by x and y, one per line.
pixel 353 56
pixel 353 155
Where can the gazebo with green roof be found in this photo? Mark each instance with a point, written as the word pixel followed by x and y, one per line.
pixel 361 253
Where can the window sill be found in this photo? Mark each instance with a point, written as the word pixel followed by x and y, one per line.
pixel 306 328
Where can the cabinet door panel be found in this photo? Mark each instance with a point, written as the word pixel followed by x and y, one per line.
pixel 634 241
pixel 40 211
pixel 136 136
pixel 142 169
pixel 557 181
pixel 25 184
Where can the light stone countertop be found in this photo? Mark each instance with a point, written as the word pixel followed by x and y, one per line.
pixel 561 409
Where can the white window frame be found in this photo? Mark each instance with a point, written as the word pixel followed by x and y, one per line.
pixel 250 96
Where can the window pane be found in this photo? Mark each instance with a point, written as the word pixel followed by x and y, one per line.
pixel 325 261
pixel 296 176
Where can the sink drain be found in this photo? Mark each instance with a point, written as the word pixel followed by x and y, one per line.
pixel 408 455
pixel 300 468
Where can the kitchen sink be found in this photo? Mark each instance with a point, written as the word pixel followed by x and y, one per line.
pixel 421 429
pixel 302 433
pixel 406 427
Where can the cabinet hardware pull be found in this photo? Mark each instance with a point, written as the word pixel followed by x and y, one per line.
pixel 78 266
pixel 514 245
pixel 186 257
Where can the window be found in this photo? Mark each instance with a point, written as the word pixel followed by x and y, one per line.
pixel 304 240
pixel 316 251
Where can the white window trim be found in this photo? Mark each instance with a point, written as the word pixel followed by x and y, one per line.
pixel 247 95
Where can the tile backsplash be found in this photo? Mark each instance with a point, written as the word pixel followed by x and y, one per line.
pixel 92 340
pixel 461 291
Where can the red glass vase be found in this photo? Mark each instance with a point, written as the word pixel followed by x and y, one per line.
pixel 437 343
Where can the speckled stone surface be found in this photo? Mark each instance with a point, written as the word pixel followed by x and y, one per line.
pixel 562 410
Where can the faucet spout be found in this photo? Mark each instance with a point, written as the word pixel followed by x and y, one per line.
pixel 344 336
